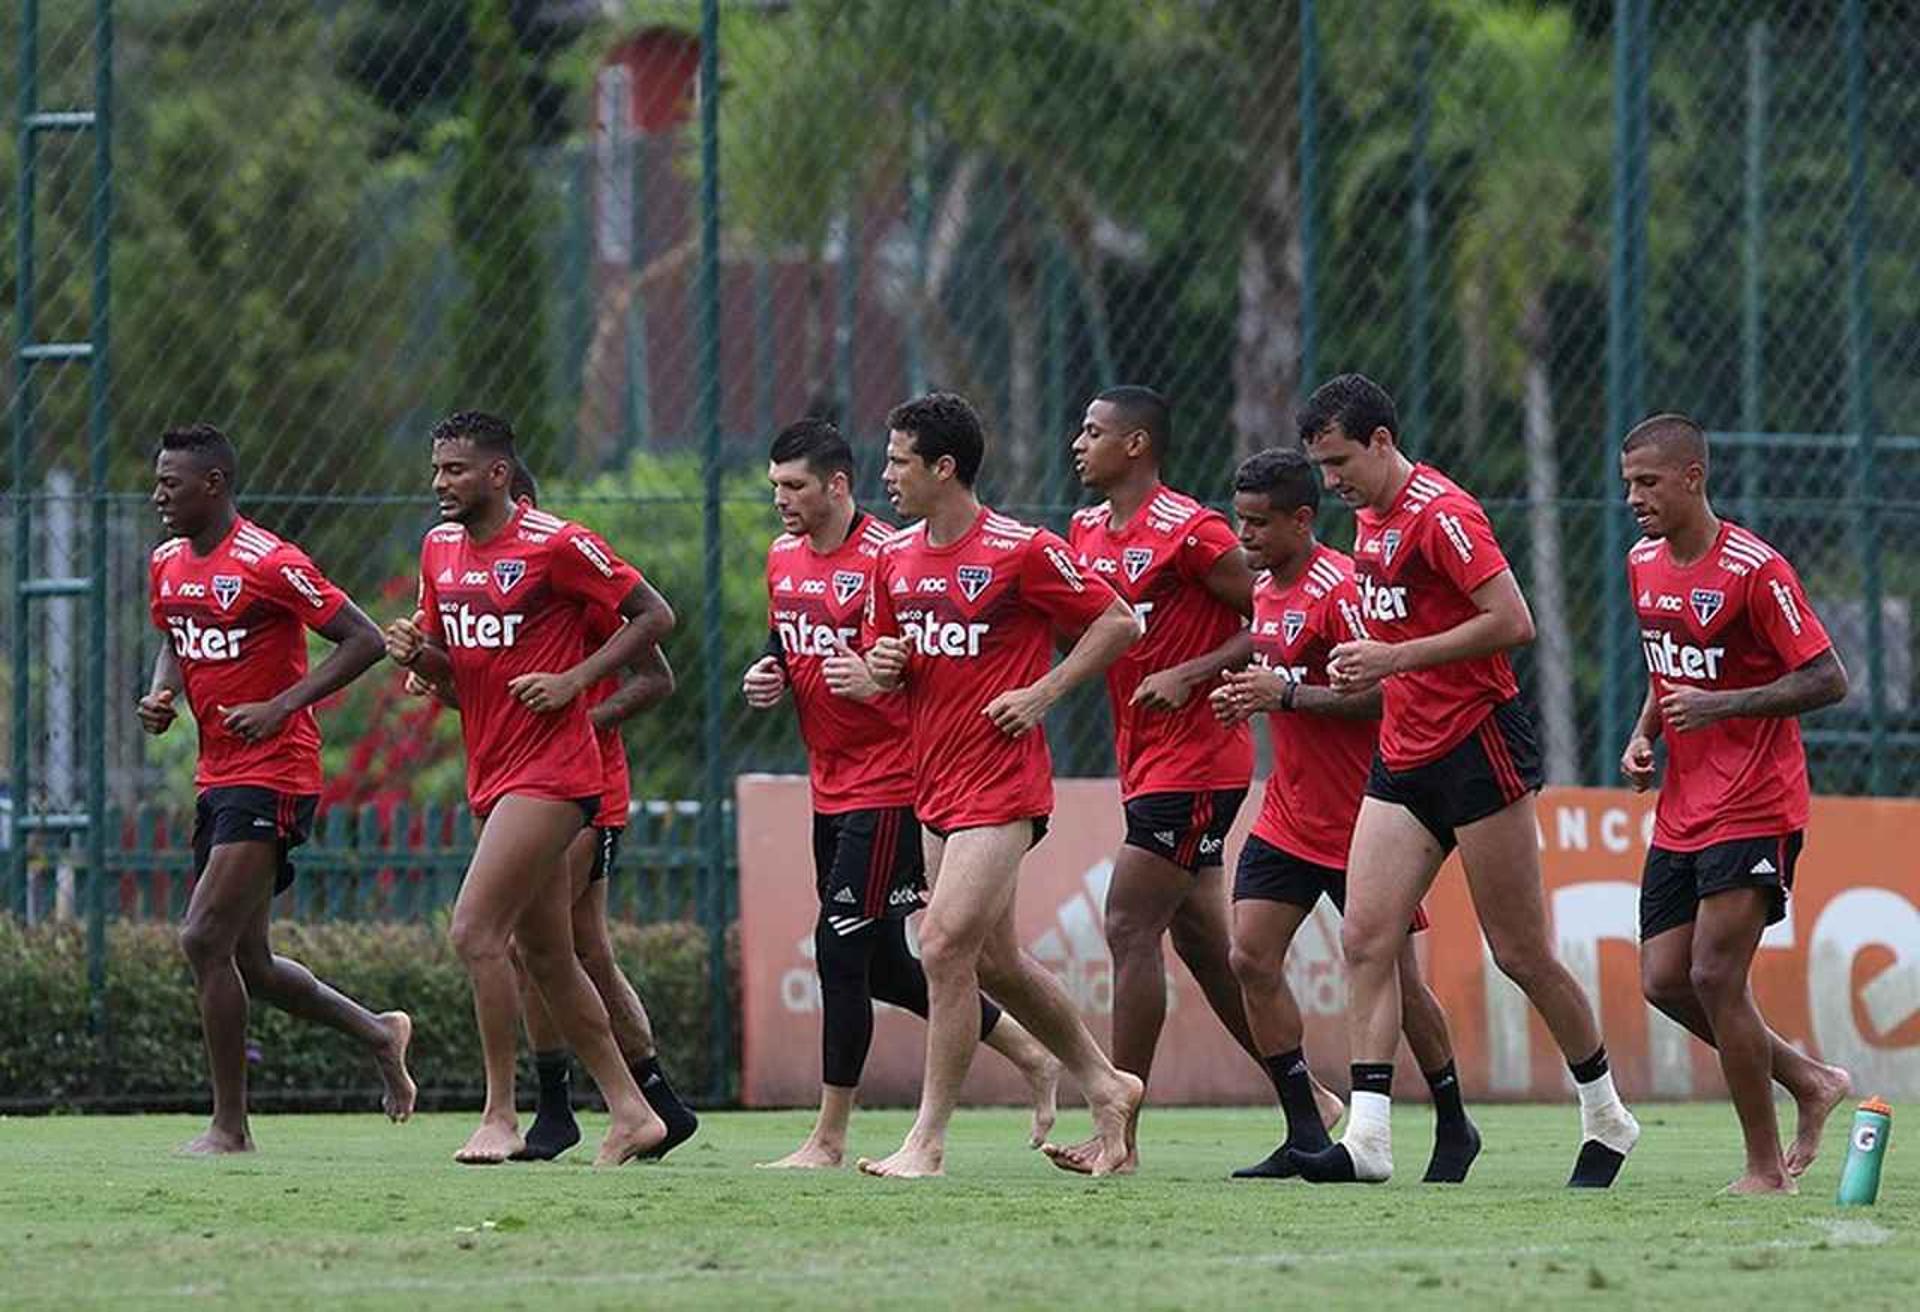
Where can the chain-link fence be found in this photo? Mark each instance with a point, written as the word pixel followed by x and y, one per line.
pixel 333 220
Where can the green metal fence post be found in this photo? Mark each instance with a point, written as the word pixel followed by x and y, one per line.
pixel 99 423
pixel 713 777
pixel 1420 248
pixel 1309 194
pixel 1752 286
pixel 1860 390
pixel 23 312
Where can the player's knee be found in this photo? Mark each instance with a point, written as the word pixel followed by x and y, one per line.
pixel 1366 948
pixel 1254 966
pixel 204 940
pixel 1130 932
pixel 1526 963
pixel 945 953
pixel 474 941
pixel 1716 978
pixel 1664 986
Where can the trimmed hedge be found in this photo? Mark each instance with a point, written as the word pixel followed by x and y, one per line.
pixel 154 1059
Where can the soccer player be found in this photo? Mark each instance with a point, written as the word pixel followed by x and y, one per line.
pixel 1304 605
pixel 961 613
pixel 1183 772
pixel 1457 765
pixel 505 589
pixel 235 602
pixel 1734 654
pixel 591 859
pixel 869 867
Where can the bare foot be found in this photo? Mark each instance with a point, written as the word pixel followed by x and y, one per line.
pixel 911 1162
pixel 1832 1089
pixel 1330 1107
pixel 492 1143
pixel 627 1140
pixel 397 1101
pixel 215 1143
pixel 1043 1084
pixel 1075 1157
pixel 1752 1184
pixel 1115 1123
pixel 809 1156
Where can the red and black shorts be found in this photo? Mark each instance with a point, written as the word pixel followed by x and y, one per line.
pixel 246 814
pixel 869 864
pixel 1489 770
pixel 1270 874
pixel 1188 829
pixel 606 851
pixel 1672 884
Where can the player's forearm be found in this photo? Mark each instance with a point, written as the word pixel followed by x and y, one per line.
pixel 1483 635
pixel 166 672
pixel 1820 683
pixel 432 663
pixel 355 654
pixel 1312 699
pixel 1233 654
pixel 1648 725
pixel 1099 646
pixel 649 684
pixel 626 648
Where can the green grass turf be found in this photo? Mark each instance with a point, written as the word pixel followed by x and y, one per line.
pixel 347 1211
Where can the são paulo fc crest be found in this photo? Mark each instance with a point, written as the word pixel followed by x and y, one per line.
pixel 1134 560
pixel 225 588
pixel 973 579
pixel 1389 544
pixel 1707 603
pixel 846 584
pixel 506 573
pixel 1291 623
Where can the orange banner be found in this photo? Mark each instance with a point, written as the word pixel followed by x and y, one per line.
pixel 1840 977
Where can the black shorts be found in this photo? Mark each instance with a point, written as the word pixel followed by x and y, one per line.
pixel 1188 829
pixel 1672 883
pixel 869 864
pixel 1492 768
pixel 1040 825
pixel 606 851
pixel 245 814
pixel 1268 874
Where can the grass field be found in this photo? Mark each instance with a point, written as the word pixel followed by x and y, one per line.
pixel 347 1211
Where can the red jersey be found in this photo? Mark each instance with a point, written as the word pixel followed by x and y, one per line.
pixel 517 604
pixel 1158 562
pixel 1417 567
pixel 1735 618
pixel 616 789
pixel 237 618
pixel 980 614
pixel 858 756
pixel 1320 762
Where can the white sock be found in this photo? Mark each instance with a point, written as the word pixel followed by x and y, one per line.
pixel 1603 1117
pixel 1369 1136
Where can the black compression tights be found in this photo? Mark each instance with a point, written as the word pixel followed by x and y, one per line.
pixel 855 968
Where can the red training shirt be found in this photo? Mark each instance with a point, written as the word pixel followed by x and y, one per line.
pixel 1158 562
pixel 858 756
pixel 517 604
pixel 1735 618
pixel 1320 762
pixel 1417 567
pixel 980 613
pixel 237 619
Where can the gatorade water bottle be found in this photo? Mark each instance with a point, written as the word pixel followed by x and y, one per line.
pixel 1866 1148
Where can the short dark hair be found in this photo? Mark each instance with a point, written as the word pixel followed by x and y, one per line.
pixel 1353 401
pixel 816 441
pixel 1678 438
pixel 207 444
pixel 521 485
pixel 943 424
pixel 1143 408
pixel 1282 475
pixel 486 432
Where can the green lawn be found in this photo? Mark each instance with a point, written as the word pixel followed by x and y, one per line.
pixel 347 1211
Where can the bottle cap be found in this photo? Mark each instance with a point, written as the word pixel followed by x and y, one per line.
pixel 1876 1104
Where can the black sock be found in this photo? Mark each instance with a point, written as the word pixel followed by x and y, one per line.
pixel 1294 1084
pixel 554 1129
pixel 1447 1108
pixel 658 1091
pixel 556 1080
pixel 1373 1077
pixel 1586 1072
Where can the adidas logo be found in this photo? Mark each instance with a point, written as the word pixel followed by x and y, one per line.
pixel 845 895
pixel 445 576
pixel 1165 836
pixel 1763 867
pixel 784 585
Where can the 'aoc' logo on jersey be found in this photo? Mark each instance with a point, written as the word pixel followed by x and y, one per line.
pixel 1707 603
pixel 226 587
pixel 846 585
pixel 506 573
pixel 973 579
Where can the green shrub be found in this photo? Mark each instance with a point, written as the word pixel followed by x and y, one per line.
pixel 153 1056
